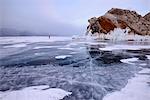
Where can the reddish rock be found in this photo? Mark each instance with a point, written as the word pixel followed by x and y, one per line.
pixel 106 24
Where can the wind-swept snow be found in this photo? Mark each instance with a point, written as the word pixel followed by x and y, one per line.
pixel 136 89
pixel 35 93
pixel 16 45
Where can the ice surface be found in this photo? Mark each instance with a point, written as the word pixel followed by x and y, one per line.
pixel 136 89
pixel 74 67
pixel 35 93
pixel 129 60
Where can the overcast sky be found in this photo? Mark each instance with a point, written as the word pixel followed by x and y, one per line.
pixel 60 16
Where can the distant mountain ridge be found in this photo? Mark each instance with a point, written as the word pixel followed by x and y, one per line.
pixel 14 32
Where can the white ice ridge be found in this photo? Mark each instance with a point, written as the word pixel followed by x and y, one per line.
pixel 35 93
pixel 136 89
pixel 16 45
pixel 124 47
pixel 62 56
pixel 122 34
pixel 129 60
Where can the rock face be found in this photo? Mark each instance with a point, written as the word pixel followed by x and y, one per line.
pixel 147 17
pixel 120 18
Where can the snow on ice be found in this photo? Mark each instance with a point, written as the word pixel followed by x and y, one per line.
pixel 35 93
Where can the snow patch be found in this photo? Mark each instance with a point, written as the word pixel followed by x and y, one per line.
pixel 62 56
pixel 129 60
pixel 35 93
pixel 143 64
pixel 97 43
pixel 38 54
pixel 136 89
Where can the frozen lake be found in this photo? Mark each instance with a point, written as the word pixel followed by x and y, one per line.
pixel 67 69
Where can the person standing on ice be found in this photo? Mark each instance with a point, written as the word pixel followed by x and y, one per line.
pixel 49 36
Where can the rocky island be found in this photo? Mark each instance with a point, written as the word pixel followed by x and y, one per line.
pixel 130 21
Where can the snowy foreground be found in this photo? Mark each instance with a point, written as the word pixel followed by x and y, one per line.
pixel 62 68
pixel 35 93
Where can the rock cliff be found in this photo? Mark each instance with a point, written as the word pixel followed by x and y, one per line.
pixel 120 18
